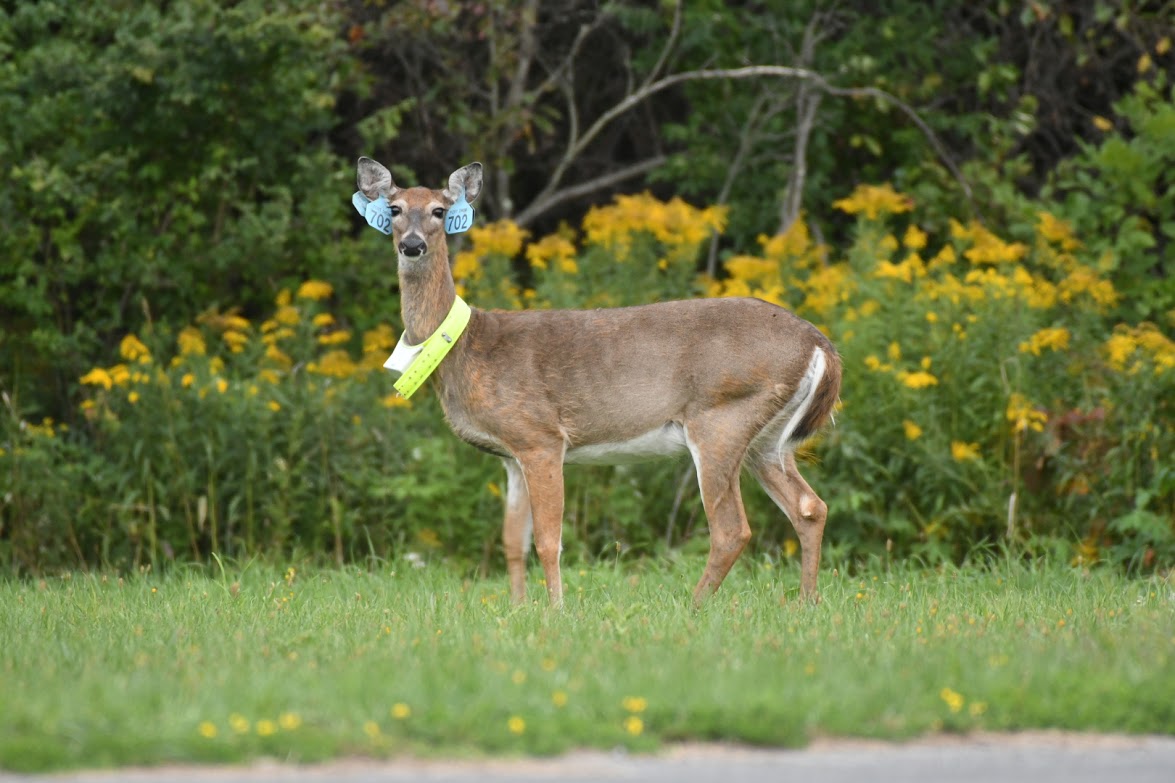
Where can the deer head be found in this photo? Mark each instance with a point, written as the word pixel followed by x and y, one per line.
pixel 418 214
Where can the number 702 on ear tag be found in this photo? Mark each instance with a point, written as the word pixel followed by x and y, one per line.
pixel 460 216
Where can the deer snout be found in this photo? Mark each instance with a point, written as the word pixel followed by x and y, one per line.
pixel 413 245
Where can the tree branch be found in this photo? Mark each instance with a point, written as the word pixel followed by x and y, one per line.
pixel 557 197
pixel 580 143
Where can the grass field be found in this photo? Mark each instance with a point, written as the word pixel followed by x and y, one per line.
pixel 248 661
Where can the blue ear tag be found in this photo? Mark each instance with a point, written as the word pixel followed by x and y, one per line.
pixel 377 213
pixel 460 216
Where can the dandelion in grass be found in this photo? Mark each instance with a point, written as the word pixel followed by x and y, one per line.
pixel 518 677
pixel 266 728
pixel 516 725
pixel 963 452
pixel 634 725
pixel 634 703
pixel 187 380
pixel 954 700
pixel 790 548
pixel 401 711
pixel 221 385
pixel 913 431
pixel 289 721
pixel 238 723
pixel 371 729
pixel 133 397
pixel 977 708
pixel 207 729
pixel 559 698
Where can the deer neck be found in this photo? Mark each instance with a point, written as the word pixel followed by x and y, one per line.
pixel 426 292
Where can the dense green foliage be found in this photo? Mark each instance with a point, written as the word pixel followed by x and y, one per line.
pixel 239 663
pixel 172 167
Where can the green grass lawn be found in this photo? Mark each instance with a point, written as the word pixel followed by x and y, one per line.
pixel 99 670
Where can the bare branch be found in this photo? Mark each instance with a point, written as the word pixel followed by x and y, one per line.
pixel 554 198
pixel 578 144
pixel 670 44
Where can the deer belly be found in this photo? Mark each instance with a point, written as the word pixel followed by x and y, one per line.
pixel 666 441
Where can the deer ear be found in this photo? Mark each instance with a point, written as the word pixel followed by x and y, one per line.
pixel 374 179
pixel 466 178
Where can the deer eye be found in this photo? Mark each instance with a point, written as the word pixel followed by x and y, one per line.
pixel 438 213
pixel 395 210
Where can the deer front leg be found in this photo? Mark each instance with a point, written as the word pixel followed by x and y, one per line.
pixel 516 529
pixel 543 472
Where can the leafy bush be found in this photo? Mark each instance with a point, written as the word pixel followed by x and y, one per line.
pixel 988 396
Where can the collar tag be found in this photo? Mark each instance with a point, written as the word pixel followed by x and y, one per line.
pixel 416 362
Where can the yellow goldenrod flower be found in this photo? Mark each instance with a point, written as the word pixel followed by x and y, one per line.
pixel 917 380
pixel 315 289
pixel 379 340
pixel 913 431
pixel 1051 339
pixel 1023 415
pixel 334 338
pixel 963 452
pixel 288 315
pixel 914 238
pixel 191 341
pixel 394 400
pixel 516 725
pixel 401 711
pixel 98 377
pixel 874 200
pixel 133 350
pixel 235 340
pixel 336 364
pixel 120 374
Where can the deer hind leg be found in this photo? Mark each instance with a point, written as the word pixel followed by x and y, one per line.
pixel 516 529
pixel 718 480
pixel 782 481
pixel 543 474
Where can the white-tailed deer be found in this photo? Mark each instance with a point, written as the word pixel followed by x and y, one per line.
pixel 733 382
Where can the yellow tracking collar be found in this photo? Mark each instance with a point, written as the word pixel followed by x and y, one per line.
pixel 417 362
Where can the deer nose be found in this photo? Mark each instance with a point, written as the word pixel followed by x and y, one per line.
pixel 413 245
